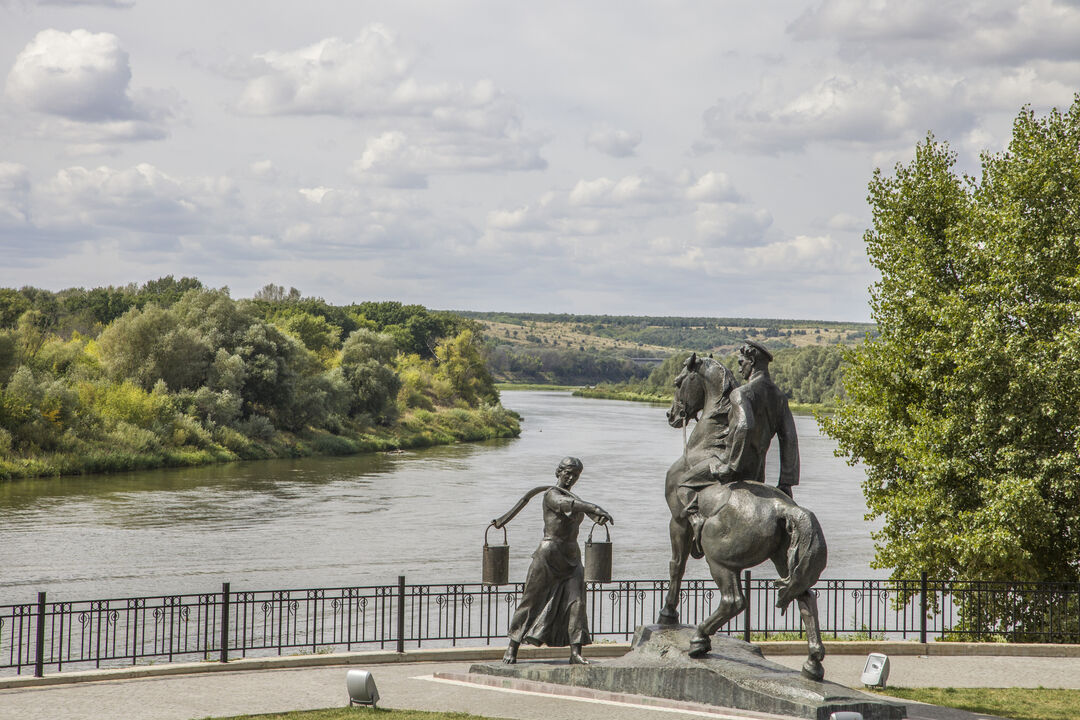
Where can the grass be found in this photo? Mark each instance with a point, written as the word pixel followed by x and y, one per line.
pixel 533 386
pixel 1016 703
pixel 358 713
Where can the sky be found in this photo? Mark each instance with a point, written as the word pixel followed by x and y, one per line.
pixel 625 157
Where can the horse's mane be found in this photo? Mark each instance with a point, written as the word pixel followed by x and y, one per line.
pixel 721 381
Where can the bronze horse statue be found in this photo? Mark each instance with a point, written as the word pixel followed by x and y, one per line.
pixel 746 522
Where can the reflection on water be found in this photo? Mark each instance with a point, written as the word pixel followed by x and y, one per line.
pixel 366 519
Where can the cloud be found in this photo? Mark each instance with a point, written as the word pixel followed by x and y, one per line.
pixel 141 198
pixel 117 4
pixel 731 225
pixel 14 195
pixel 805 254
pixel 425 128
pixel 705 206
pixel 884 73
pixel 712 187
pixel 613 142
pixel 967 31
pixel 871 109
pixel 397 159
pixel 82 81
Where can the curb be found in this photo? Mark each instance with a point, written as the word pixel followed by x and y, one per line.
pixel 477 654
pixel 371 657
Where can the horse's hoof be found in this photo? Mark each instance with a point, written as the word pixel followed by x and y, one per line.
pixel 699 646
pixel 667 617
pixel 813 669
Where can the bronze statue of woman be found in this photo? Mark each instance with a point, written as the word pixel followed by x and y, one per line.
pixel 552 607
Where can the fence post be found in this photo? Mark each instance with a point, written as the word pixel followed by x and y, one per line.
pixel 922 607
pixel 746 610
pixel 39 651
pixel 225 622
pixel 401 613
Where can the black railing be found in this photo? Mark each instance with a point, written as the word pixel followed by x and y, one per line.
pixel 221 625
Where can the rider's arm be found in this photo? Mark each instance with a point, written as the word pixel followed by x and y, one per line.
pixel 789 446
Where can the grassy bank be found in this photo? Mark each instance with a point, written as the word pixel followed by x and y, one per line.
pixel 613 392
pixel 1016 703
pixel 418 428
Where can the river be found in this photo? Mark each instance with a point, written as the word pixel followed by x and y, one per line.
pixel 365 519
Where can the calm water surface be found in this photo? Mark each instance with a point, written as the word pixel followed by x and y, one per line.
pixel 321 522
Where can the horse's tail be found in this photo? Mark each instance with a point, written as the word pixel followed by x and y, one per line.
pixel 806 555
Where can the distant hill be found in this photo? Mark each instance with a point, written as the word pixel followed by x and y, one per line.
pixel 588 349
pixel 627 334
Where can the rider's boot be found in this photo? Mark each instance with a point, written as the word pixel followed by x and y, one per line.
pixel 696 522
pixel 510 656
pixel 576 658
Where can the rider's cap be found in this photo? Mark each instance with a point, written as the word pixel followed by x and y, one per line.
pixel 760 348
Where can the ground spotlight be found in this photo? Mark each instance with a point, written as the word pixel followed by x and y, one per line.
pixel 362 690
pixel 876 671
pixel 846 715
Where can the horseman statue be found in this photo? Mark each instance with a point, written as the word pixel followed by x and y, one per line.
pixel 755 413
pixel 722 510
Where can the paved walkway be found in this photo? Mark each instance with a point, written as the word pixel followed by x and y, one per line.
pixel 410 685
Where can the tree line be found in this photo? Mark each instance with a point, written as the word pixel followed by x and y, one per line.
pixel 811 375
pixel 172 372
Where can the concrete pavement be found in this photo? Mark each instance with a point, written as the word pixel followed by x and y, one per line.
pixel 411 685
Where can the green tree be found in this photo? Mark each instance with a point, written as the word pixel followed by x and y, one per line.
pixel 461 363
pixel 964 410
pixel 367 364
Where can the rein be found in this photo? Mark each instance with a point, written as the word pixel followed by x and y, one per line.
pixel 685 447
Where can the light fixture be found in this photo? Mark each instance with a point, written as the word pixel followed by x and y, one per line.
pixel 362 690
pixel 876 671
pixel 846 715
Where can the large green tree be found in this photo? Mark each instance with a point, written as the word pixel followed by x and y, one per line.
pixel 964 411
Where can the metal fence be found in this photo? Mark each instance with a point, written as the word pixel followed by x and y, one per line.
pixel 58 635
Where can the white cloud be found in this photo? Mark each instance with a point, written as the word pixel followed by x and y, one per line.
pixel 82 81
pixel 731 224
pixel 967 31
pixel 613 142
pixel 426 128
pixel 141 198
pixel 712 187
pixel 871 109
pixel 397 159
pixel 117 4
pixel 804 254
pixel 14 194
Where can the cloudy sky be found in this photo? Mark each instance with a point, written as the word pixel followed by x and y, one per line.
pixel 664 158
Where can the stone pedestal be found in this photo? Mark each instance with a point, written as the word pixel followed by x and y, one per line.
pixel 735 675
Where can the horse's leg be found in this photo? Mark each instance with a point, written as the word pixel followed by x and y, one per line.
pixel 730 604
pixel 808 609
pixel 679 530
pixel 812 668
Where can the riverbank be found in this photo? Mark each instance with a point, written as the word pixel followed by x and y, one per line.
pixel 601 392
pixel 416 429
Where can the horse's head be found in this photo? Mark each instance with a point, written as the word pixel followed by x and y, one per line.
pixel 702 383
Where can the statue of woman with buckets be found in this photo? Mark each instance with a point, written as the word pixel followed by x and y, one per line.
pixel 552 606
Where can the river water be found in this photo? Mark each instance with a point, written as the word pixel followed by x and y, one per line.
pixel 363 520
